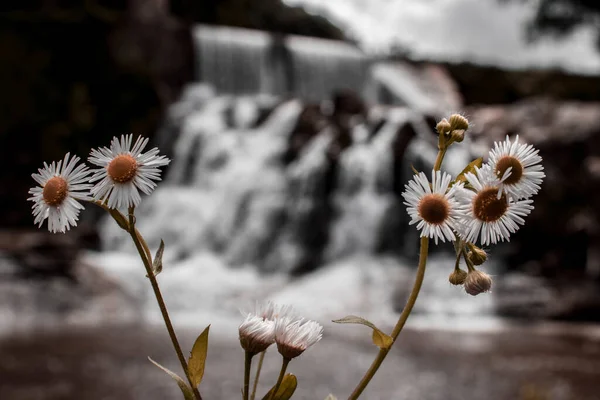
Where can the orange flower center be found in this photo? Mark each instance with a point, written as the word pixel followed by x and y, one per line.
pixel 434 208
pixel 122 168
pixel 55 191
pixel 488 207
pixel 505 163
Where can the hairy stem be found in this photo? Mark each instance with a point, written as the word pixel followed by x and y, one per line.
pixel 247 367
pixel 142 250
pixel 257 376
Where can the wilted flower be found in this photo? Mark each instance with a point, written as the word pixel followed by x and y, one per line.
pixel 256 334
pixel 125 170
pixel 483 213
pixel 434 206
pixel 518 168
pixel 293 337
pixel 61 185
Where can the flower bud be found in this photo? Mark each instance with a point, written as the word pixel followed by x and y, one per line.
pixel 256 334
pixel 477 282
pixel 457 277
pixel 458 122
pixel 443 126
pixel 476 255
pixel 458 135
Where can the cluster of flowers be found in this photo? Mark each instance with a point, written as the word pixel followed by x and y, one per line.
pixel 488 204
pixel 272 323
pixel 123 172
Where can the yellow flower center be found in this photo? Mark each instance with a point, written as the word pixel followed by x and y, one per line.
pixel 55 191
pixel 488 207
pixel 122 168
pixel 515 174
pixel 434 208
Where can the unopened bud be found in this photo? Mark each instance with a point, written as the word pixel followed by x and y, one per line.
pixel 457 277
pixel 458 122
pixel 477 256
pixel 458 135
pixel 443 126
pixel 477 282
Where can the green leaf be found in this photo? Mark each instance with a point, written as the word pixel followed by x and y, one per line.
pixel 188 394
pixel 380 339
pixel 286 389
pixel 198 357
pixel 157 264
pixel 469 168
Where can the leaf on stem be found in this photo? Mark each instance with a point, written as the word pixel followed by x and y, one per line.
pixel 469 168
pixel 188 394
pixel 198 357
pixel 380 339
pixel 157 264
pixel 286 389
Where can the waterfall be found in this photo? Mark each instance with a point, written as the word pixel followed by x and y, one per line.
pixel 244 61
pixel 265 187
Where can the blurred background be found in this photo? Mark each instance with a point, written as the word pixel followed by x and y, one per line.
pixel 292 126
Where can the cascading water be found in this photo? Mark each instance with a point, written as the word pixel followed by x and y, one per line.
pixel 252 198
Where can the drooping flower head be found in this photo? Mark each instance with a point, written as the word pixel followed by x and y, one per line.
pixel 293 337
pixel 61 185
pixel 256 334
pixel 484 214
pixel 124 171
pixel 433 206
pixel 518 168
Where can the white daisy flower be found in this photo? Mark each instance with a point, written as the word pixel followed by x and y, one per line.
pixel 433 207
pixel 518 168
pixel 61 185
pixel 256 334
pixel 483 214
pixel 293 337
pixel 125 170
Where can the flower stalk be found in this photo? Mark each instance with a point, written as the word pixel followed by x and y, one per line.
pixel 284 366
pixel 143 251
pixel 414 294
pixel 247 367
pixel 257 376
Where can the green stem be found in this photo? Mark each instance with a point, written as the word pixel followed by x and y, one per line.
pixel 284 365
pixel 247 367
pixel 136 237
pixel 258 369
pixel 399 325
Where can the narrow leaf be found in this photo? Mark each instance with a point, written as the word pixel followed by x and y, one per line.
pixel 469 168
pixel 198 357
pixel 157 265
pixel 286 389
pixel 188 394
pixel 380 339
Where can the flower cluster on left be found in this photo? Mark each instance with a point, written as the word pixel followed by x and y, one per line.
pixel 123 170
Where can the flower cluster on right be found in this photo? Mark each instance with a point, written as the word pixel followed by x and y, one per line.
pixel 486 204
